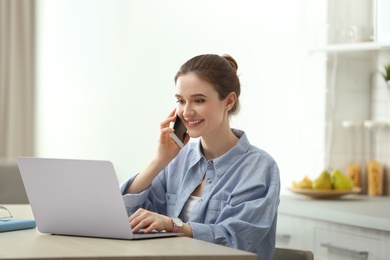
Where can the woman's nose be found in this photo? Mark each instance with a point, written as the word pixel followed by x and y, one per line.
pixel 188 110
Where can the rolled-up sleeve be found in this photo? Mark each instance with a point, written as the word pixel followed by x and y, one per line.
pixel 152 198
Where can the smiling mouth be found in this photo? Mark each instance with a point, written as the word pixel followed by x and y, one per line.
pixel 194 123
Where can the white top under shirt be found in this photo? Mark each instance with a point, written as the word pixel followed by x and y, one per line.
pixel 188 207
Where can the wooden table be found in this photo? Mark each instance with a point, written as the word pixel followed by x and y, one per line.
pixel 31 244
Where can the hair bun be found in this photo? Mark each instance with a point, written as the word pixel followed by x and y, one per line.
pixel 230 60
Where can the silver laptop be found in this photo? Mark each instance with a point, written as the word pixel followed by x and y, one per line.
pixel 77 198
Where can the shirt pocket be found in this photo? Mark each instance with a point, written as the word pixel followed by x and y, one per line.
pixel 171 200
pixel 214 209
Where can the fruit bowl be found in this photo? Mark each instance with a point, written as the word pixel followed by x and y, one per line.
pixel 324 194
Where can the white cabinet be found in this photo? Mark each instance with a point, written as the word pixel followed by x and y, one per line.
pixel 341 243
pixel 333 241
pixel 294 232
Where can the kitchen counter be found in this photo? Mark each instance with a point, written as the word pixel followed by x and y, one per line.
pixel 356 210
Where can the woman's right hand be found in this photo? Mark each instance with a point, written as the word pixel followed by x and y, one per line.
pixel 166 151
pixel 167 148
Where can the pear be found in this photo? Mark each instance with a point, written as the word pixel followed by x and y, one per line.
pixel 340 181
pixel 323 182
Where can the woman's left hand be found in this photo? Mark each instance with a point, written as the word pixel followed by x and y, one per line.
pixel 149 221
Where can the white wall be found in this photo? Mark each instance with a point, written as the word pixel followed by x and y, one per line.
pixel 106 68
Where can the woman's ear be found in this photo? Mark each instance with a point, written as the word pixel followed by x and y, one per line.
pixel 230 100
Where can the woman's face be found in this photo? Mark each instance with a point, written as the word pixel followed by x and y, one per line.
pixel 199 106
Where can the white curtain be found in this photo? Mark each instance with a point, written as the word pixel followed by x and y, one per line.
pixel 17 77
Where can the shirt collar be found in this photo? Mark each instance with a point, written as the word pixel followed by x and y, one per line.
pixel 222 163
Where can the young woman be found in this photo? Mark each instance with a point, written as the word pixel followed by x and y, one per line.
pixel 220 188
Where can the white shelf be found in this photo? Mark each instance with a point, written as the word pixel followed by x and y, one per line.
pixel 351 47
pixel 369 124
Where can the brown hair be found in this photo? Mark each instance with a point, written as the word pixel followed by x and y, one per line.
pixel 220 71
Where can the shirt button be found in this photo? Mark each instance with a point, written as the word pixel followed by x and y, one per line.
pixel 209 180
pixel 200 200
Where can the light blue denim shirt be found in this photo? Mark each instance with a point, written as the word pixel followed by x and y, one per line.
pixel 238 207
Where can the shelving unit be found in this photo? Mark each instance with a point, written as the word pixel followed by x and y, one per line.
pixel 350 64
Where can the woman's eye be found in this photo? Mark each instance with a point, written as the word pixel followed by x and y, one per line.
pixel 199 101
pixel 179 101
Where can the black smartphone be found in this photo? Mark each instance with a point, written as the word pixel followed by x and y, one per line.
pixel 180 132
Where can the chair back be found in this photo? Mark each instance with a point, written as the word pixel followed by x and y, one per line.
pixel 11 185
pixel 292 254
